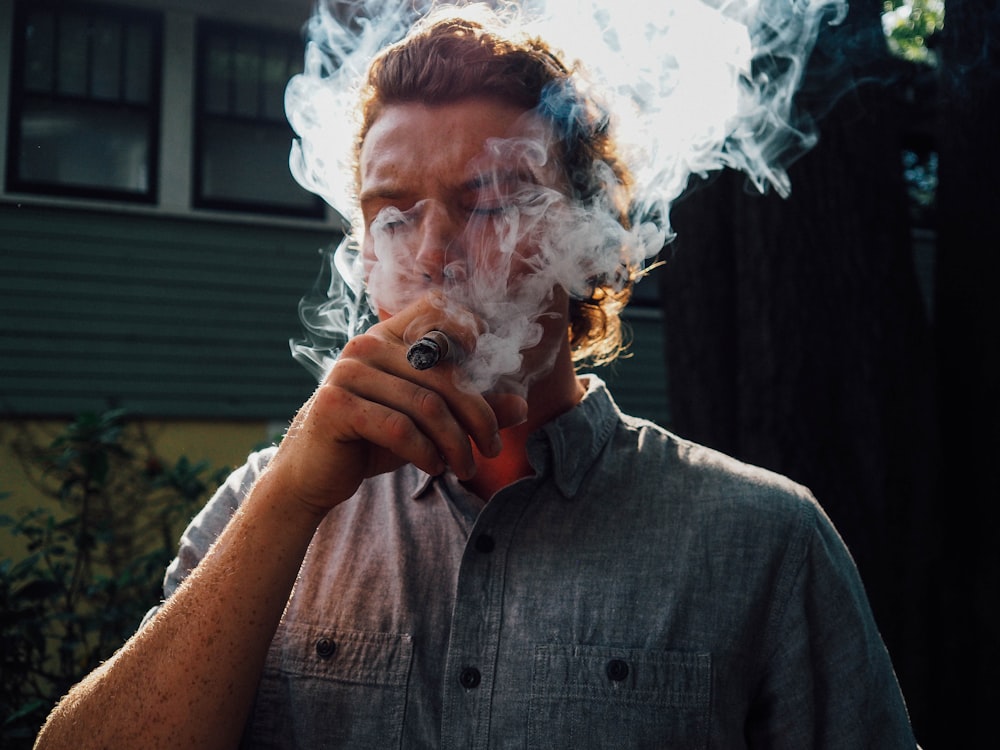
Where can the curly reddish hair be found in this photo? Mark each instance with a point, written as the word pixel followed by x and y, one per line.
pixel 461 53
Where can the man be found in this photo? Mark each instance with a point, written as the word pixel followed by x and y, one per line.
pixel 421 564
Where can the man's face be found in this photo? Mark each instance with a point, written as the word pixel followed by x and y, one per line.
pixel 454 198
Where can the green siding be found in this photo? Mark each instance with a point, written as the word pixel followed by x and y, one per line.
pixel 173 317
pixel 639 379
pixel 167 317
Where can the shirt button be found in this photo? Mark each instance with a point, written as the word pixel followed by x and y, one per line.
pixel 484 544
pixel 617 670
pixel 470 678
pixel 325 648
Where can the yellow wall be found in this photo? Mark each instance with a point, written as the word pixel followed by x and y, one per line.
pixel 222 444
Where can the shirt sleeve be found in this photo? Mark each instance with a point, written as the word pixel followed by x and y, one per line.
pixel 828 680
pixel 208 524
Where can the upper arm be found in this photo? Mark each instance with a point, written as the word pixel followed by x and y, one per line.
pixel 827 680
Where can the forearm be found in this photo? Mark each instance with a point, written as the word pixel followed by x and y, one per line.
pixel 189 677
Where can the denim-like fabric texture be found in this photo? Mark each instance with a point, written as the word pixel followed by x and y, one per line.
pixel 638 592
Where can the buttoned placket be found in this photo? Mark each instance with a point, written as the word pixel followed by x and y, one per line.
pixel 474 643
pixel 471 660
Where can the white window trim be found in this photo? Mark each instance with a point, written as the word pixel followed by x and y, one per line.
pixel 6 43
pixel 176 127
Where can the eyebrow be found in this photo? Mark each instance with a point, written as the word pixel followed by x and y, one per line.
pixel 479 181
pixel 383 192
pixel 499 178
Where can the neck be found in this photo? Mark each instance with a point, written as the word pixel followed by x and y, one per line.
pixel 554 394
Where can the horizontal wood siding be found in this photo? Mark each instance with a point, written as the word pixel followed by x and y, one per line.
pixel 166 317
pixel 638 380
pixel 183 318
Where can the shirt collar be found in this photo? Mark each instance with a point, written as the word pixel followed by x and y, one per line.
pixel 423 483
pixel 574 439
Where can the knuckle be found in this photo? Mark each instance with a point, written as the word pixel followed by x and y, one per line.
pixel 346 370
pixel 429 405
pixel 361 346
pixel 397 428
pixel 331 398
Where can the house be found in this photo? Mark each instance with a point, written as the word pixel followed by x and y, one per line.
pixel 153 245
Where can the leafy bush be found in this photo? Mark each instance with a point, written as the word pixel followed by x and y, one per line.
pixel 909 26
pixel 95 557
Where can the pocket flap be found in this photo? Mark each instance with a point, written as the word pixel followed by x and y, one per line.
pixel 666 678
pixel 344 655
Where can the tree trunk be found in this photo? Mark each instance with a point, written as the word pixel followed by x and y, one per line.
pixel 966 658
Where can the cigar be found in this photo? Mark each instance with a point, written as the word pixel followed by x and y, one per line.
pixel 430 349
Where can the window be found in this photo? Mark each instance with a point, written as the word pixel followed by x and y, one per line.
pixel 84 113
pixel 242 138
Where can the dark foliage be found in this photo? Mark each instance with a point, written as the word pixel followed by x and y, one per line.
pixel 94 557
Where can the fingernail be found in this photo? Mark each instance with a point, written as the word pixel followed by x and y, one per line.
pixel 496 445
pixel 521 413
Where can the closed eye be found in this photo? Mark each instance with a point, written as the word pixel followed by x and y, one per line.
pixel 491 210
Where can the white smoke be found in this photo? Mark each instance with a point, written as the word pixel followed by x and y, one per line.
pixel 693 86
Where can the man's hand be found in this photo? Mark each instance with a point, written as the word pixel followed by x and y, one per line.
pixel 374 413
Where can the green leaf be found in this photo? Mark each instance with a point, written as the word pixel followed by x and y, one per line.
pixel 26 710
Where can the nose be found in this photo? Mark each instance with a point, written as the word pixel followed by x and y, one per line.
pixel 438 234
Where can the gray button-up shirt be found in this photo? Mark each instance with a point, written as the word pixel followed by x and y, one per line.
pixel 639 591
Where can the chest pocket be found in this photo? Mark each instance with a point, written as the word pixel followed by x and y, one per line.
pixel 324 688
pixel 594 696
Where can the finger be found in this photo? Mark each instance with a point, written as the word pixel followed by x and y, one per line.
pixel 434 310
pixel 509 408
pixel 434 313
pixel 353 417
pixel 425 408
pixel 453 411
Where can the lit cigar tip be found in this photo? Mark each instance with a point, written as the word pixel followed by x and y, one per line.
pixel 428 350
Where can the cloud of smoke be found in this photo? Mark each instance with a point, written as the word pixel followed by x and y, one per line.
pixel 693 86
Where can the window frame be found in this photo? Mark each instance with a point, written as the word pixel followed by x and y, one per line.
pixel 236 32
pixel 19 96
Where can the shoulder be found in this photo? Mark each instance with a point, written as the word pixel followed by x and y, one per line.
pixel 721 501
pixel 209 522
pixel 654 470
pixel 702 474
